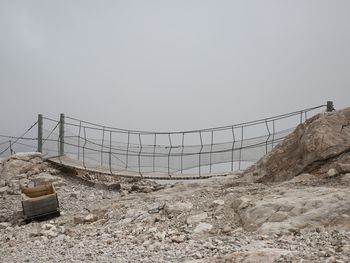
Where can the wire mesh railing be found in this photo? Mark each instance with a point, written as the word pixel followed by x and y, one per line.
pixel 115 150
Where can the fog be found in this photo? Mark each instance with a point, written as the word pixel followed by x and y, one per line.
pixel 170 65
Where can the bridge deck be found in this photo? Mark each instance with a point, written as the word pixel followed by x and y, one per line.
pixel 65 161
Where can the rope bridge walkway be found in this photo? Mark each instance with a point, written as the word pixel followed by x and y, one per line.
pixel 193 154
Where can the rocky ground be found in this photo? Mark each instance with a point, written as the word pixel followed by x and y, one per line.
pixel 292 206
pixel 226 219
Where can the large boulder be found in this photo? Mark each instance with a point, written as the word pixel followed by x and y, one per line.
pixel 309 146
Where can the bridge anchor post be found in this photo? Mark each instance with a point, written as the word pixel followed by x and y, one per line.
pixel 330 106
pixel 40 133
pixel 61 135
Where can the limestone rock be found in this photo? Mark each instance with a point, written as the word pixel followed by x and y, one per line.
pixel 346 178
pixel 264 255
pixel 305 177
pixel 343 168
pixel 59 184
pixel 332 172
pixel 26 156
pixel 202 227
pixel 4 225
pixel 44 178
pixel 35 231
pixel 146 189
pixel 297 209
pixel 14 167
pixel 196 218
pixel 2 183
pixel 177 207
pixel 178 239
pixel 3 190
pixel 320 138
pixel 49 233
pixel 219 202
pixel 156 208
pixel 20 163
pixel 159 235
pixel 226 229
pixel 49 227
pixel 90 218
pixel 278 217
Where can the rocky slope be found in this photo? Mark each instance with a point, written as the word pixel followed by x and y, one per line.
pixel 320 140
pixel 226 219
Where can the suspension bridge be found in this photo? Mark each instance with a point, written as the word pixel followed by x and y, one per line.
pixel 193 154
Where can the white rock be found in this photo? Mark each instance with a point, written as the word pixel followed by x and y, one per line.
pixel 61 238
pixel 62 229
pixel 155 246
pixel 3 190
pixel 177 207
pixel 219 202
pixel 196 218
pixel 332 172
pixel 25 156
pixel 35 231
pixel 346 178
pixel 49 233
pixel 263 255
pixel 159 235
pixel 44 178
pixel 90 218
pixel 152 230
pixel 178 239
pixel 2 183
pixel 202 227
pixel 48 227
pixel 24 182
pixel 37 243
pixel 20 177
pixel 4 225
pixel 278 217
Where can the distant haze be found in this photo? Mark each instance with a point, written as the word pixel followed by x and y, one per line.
pixel 170 65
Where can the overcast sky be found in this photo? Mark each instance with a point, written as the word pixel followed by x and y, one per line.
pixel 170 65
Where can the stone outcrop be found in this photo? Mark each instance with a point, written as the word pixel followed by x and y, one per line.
pixel 295 209
pixel 319 140
pixel 20 164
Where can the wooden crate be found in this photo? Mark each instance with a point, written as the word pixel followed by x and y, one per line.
pixel 39 202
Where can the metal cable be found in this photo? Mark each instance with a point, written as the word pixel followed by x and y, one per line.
pixel 249 123
pixel 19 137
